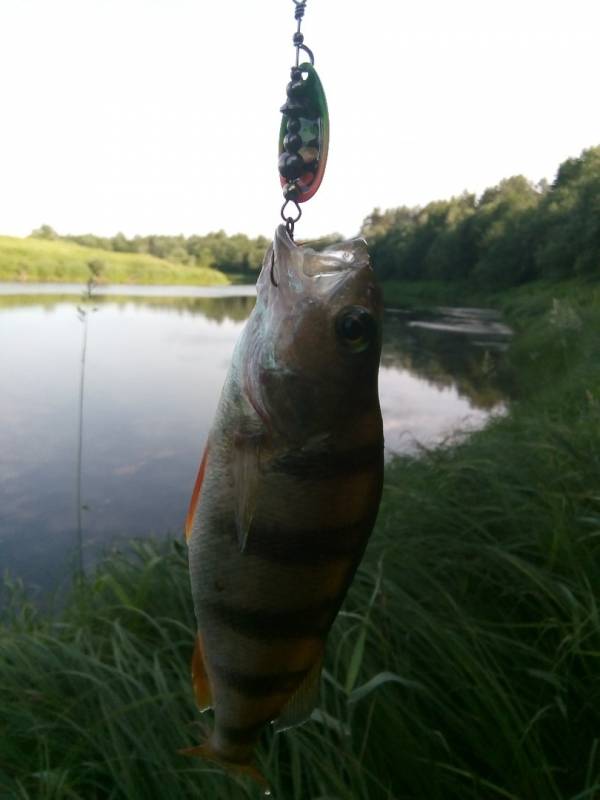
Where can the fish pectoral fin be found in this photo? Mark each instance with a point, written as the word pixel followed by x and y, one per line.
pixel 207 752
pixel 246 468
pixel 300 705
pixel 200 679
pixel 189 520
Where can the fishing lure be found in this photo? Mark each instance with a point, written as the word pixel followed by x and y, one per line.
pixel 304 131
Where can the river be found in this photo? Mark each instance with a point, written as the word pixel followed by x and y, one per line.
pixel 155 361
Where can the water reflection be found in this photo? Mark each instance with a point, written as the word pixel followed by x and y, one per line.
pixel 155 366
pixel 467 356
pixel 226 306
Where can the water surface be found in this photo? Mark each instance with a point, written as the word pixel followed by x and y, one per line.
pixel 155 363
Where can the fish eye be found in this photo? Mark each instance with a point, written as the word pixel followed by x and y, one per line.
pixel 356 328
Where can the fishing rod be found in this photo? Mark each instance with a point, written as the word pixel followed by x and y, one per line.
pixel 304 131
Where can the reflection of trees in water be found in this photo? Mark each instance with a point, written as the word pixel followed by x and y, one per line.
pixel 442 358
pixel 218 309
pixel 43 300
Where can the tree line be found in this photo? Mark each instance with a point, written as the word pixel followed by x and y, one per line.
pixel 234 254
pixel 238 253
pixel 514 232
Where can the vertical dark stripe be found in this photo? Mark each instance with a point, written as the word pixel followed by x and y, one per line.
pixel 327 464
pixel 298 623
pixel 259 685
pixel 308 546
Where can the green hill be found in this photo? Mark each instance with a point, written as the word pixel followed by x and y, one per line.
pixel 39 260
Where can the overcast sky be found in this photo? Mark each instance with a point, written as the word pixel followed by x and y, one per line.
pixel 162 116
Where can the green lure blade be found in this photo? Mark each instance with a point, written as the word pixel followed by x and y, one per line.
pixel 304 135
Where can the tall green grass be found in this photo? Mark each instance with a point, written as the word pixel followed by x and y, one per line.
pixel 464 665
pixel 40 260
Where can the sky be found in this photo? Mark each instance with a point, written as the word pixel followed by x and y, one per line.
pixel 162 116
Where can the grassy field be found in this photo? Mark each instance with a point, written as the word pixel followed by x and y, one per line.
pixel 465 664
pixel 39 260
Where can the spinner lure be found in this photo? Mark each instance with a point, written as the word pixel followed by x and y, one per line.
pixel 304 132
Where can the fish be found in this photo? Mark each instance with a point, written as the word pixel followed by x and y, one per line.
pixel 287 493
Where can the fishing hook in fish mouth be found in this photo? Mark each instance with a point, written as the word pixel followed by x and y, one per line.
pixel 271 273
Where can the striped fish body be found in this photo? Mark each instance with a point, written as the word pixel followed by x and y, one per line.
pixel 288 491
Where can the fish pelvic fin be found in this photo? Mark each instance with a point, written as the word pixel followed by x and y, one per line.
pixel 189 520
pixel 200 680
pixel 207 752
pixel 246 469
pixel 300 705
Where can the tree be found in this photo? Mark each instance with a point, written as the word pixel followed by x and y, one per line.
pixel 570 225
pixel 44 232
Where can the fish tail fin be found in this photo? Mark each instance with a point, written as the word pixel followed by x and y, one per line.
pixel 207 752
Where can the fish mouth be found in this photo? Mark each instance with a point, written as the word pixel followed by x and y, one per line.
pixel 304 261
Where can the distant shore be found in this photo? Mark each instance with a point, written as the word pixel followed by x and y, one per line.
pixel 33 260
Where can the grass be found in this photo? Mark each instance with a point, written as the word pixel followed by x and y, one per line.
pixel 533 297
pixel 43 261
pixel 465 664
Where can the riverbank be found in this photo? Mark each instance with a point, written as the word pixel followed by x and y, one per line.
pixel 33 260
pixel 465 664
pixel 424 294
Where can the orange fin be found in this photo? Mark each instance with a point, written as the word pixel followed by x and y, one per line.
pixel 200 680
pixel 244 770
pixel 189 520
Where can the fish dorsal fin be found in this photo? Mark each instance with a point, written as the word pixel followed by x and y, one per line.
pixel 189 520
pixel 300 705
pixel 200 679
pixel 246 473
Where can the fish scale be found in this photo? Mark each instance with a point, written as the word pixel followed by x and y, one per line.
pixel 287 492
